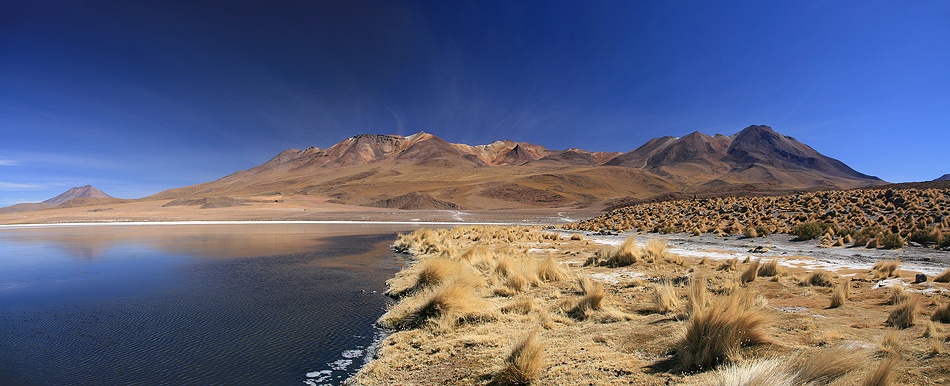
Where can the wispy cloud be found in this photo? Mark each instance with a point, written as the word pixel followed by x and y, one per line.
pixel 9 162
pixel 20 186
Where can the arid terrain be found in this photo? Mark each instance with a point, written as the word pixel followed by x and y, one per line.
pixel 518 305
pixel 376 174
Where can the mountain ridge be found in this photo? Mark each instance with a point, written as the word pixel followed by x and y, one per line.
pixel 423 170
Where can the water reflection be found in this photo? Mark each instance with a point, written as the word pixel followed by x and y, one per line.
pixel 195 304
pixel 194 240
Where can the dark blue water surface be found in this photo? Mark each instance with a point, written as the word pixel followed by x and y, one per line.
pixel 250 304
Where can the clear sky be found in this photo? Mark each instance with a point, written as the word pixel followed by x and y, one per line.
pixel 136 97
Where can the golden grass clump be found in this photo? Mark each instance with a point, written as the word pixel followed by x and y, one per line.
pixel 883 374
pixel 809 367
pixel 444 307
pixel 549 270
pixel 885 269
pixel 656 249
pixel 897 295
pixel 524 363
pixel 751 272
pixel 728 265
pixel 665 299
pixel 591 301
pixel 698 295
pixel 436 271
pixel 819 279
pixel 841 294
pixel 716 334
pixel 769 269
pixel 577 237
pixel 521 305
pixel 904 315
pixel 942 313
pixel 943 277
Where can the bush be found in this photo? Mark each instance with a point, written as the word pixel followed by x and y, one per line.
pixel 715 334
pixel 524 363
pixel 807 231
pixel 891 241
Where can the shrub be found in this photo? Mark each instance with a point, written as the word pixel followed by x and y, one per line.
pixel 884 374
pixel 820 278
pixel 841 293
pixel 728 265
pixel 903 316
pixel 942 314
pixel 925 236
pixel 897 296
pixel 443 306
pixel 550 270
pixel 665 299
pixel 750 273
pixel 891 241
pixel 769 269
pixel 810 367
pixel 808 230
pixel 715 334
pixel 656 249
pixel 750 233
pixel 885 269
pixel 943 277
pixel 524 363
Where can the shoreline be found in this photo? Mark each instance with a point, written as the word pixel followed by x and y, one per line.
pixel 630 335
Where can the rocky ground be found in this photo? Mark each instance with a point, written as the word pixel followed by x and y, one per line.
pixel 514 305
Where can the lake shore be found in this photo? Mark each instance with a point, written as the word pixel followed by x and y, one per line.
pixel 596 318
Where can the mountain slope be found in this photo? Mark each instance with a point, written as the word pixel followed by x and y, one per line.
pixel 424 171
pixel 77 195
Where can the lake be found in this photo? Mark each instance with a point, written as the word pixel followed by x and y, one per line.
pixel 189 304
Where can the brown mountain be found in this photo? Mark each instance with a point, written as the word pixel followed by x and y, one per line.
pixel 424 171
pixel 73 197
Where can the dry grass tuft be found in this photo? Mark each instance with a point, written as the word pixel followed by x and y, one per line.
pixel 903 316
pixel 819 278
pixel 590 302
pixel 698 297
pixel 728 265
pixel 656 250
pixel 665 299
pixel 810 367
pixel 769 269
pixel 942 314
pixel 549 270
pixel 716 334
pixel 521 305
pixel 751 272
pixel 841 293
pixel 897 295
pixel 884 374
pixel 885 269
pixel 444 306
pixel 943 277
pixel 524 363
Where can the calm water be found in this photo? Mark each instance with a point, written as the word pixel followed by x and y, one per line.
pixel 276 304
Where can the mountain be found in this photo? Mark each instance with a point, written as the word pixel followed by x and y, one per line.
pixel 87 191
pixel 423 171
pixel 945 177
pixel 78 196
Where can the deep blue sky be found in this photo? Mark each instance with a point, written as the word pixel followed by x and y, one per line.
pixel 136 97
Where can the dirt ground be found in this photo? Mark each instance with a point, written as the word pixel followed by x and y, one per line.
pixel 635 335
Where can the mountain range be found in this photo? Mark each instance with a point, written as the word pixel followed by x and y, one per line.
pixel 423 171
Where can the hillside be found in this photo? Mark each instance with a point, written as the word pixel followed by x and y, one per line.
pixel 77 196
pixel 423 171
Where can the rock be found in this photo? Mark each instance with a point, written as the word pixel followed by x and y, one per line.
pixel 759 249
pixel 920 278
